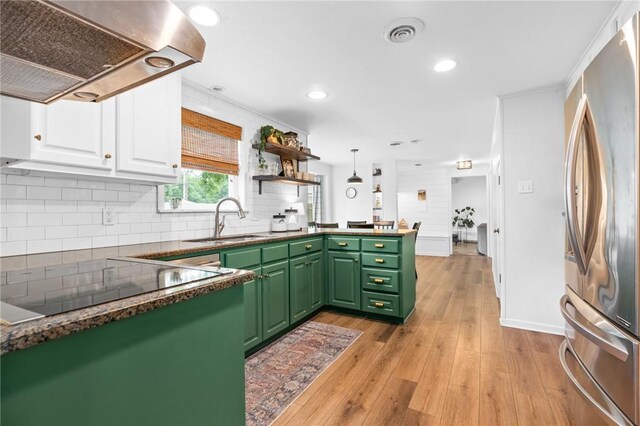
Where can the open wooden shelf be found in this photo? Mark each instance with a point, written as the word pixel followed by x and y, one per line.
pixel 282 179
pixel 287 152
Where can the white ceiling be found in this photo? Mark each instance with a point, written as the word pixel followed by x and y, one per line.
pixel 268 55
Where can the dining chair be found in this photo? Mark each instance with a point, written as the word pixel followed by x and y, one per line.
pixel 416 226
pixel 355 222
pixel 384 224
pixel 361 226
pixel 327 225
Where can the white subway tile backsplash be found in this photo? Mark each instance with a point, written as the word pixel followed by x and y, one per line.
pixel 117 186
pixel 43 246
pixel 25 180
pixel 60 206
pixel 129 239
pixel 13 248
pixel 76 243
pixel 60 182
pixel 118 229
pixel 99 195
pixel 13 219
pixel 160 227
pixel 91 206
pixel 91 230
pixel 107 241
pixel 76 194
pixel 91 184
pixel 77 219
pixel 44 219
pixel 13 191
pixel 61 232
pixel 43 193
pixel 25 206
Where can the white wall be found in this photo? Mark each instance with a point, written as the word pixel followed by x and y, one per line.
pixel 358 208
pixel 532 284
pixel 41 212
pixel 470 191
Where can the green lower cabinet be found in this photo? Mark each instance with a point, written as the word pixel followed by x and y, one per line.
pixel 316 274
pixel 275 298
pixel 300 288
pixel 344 279
pixel 181 364
pixel 306 285
pixel 253 311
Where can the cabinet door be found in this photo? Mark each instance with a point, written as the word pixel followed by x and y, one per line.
pixel 275 298
pixel 300 288
pixel 316 278
pixel 252 312
pixel 74 133
pixel 344 279
pixel 149 135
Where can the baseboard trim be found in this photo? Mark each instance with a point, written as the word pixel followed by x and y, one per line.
pixel 532 326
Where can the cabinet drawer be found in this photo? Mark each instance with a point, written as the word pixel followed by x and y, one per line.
pixel 242 259
pixel 381 260
pixel 380 245
pixel 273 253
pixel 342 243
pixel 384 304
pixel 380 280
pixel 305 246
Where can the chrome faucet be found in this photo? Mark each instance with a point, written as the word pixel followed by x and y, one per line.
pixel 217 226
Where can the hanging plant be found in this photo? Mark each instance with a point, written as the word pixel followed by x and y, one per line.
pixel 271 135
pixel 464 217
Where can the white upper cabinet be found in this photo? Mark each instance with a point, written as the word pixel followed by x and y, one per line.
pixel 74 133
pixel 135 135
pixel 149 128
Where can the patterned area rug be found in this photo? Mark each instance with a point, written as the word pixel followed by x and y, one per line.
pixel 276 375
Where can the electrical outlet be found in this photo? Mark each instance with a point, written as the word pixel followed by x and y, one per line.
pixel 525 186
pixel 108 218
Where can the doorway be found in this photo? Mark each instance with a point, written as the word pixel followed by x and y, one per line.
pixel 470 215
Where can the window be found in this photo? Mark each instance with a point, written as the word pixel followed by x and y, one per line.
pixel 209 165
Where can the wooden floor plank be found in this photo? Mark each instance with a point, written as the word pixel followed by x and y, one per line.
pixel 451 363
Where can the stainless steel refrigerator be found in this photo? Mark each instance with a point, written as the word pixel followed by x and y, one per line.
pixel 602 261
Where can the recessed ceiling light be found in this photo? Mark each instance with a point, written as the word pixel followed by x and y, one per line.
pixel 217 88
pixel 396 143
pixel 445 65
pixel 204 15
pixel 317 94
pixel 418 164
pixel 415 141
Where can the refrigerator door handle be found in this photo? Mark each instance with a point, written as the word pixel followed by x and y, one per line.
pixel 597 337
pixel 570 187
pixel 611 412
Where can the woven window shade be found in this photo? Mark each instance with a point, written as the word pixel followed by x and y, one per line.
pixel 209 144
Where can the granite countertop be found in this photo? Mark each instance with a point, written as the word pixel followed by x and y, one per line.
pixel 30 333
pixel 26 334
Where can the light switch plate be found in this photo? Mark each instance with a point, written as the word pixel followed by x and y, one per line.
pixel 525 186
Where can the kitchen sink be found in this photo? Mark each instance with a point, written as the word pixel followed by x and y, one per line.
pixel 229 238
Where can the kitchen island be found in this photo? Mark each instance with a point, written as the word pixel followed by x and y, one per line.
pixel 181 362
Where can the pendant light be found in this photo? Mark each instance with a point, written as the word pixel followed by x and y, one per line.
pixel 355 179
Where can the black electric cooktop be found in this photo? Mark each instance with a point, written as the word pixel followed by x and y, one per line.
pixel 32 293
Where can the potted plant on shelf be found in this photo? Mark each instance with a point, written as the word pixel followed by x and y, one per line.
pixel 268 134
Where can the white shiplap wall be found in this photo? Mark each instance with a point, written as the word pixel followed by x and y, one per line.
pixel 42 211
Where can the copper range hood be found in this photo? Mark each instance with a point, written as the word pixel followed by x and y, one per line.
pixel 91 50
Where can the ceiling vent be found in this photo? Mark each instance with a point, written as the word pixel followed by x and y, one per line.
pixel 403 30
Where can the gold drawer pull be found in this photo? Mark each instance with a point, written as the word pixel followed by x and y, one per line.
pixel 308 246
pixel 342 244
pixel 378 280
pixel 379 260
pixel 378 245
pixel 378 304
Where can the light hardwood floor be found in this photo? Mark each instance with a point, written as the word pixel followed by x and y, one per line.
pixel 450 364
